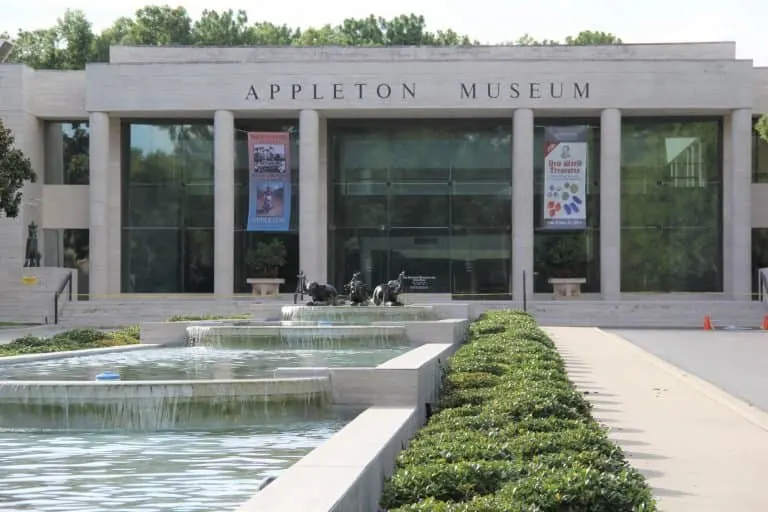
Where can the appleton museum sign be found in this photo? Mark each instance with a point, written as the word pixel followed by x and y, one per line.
pixel 404 91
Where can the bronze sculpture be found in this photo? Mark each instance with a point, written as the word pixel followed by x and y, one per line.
pixel 387 293
pixel 321 294
pixel 357 290
pixel 32 255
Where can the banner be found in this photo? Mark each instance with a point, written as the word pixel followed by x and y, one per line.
pixel 269 198
pixel 565 177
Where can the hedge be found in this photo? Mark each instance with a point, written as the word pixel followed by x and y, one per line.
pixel 75 339
pixel 511 434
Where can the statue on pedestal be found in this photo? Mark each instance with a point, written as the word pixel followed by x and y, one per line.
pixel 357 290
pixel 32 255
pixel 387 293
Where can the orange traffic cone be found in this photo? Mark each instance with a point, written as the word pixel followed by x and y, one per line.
pixel 765 323
pixel 708 323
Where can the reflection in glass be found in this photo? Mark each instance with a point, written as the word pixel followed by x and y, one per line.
pixel 759 157
pixel 567 253
pixel 671 206
pixel 431 197
pixel 167 208
pixel 245 240
pixel 68 248
pixel 759 256
pixel 67 153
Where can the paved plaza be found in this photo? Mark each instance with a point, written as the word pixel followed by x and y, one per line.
pixel 701 448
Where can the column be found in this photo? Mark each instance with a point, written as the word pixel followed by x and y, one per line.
pixel 522 202
pixel 99 191
pixel 313 226
pixel 737 214
pixel 610 204
pixel 114 208
pixel 224 204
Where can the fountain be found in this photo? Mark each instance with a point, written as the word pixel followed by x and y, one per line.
pixel 156 405
pixel 361 308
pixel 315 337
pixel 155 418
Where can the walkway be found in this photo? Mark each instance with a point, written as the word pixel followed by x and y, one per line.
pixel 701 449
pixel 734 361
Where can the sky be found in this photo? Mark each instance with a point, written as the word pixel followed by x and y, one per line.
pixel 490 21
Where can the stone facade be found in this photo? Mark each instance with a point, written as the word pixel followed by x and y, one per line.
pixel 315 84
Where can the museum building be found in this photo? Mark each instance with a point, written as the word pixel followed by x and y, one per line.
pixel 479 171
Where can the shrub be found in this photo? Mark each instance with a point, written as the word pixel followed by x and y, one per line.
pixel 511 434
pixel 197 318
pixel 74 339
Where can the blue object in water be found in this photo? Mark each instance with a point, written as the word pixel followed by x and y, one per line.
pixel 108 376
pixel 323 323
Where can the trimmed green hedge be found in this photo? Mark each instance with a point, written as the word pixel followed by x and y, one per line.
pixel 75 339
pixel 512 435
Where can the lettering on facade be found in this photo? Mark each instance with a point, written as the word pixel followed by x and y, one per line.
pixel 528 90
pixel 334 91
pixel 407 91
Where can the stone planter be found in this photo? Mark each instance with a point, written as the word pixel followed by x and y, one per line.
pixel 567 287
pixel 265 286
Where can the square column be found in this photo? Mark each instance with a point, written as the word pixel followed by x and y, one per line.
pixel 98 238
pixel 224 204
pixel 610 204
pixel 737 220
pixel 522 202
pixel 313 196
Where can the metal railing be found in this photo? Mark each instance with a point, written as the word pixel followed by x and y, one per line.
pixel 66 284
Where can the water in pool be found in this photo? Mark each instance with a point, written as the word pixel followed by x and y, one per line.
pixel 194 363
pixel 193 471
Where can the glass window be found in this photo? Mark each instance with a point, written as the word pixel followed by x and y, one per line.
pixel 430 197
pixel 759 157
pixel 67 153
pixel 567 253
pixel 245 240
pixel 671 206
pixel 167 207
pixel 759 256
pixel 68 248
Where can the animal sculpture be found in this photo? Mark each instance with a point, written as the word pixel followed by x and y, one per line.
pixel 357 290
pixel 387 293
pixel 321 294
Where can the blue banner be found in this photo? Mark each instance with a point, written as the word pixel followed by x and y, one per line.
pixel 269 197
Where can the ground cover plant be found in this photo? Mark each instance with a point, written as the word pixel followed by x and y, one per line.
pixel 511 434
pixel 75 339
pixel 196 318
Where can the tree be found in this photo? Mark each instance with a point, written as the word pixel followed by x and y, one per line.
pixel 762 127
pixel 583 38
pixel 15 170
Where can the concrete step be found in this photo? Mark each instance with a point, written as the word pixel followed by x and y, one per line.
pixel 638 313
pixel 676 314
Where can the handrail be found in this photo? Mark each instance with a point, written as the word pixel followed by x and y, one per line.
pixel 762 279
pixel 67 283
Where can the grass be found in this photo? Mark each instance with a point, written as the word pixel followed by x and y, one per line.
pixel 196 318
pixel 75 339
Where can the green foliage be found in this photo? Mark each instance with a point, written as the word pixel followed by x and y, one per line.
pixel 75 339
pixel 583 38
pixel 71 42
pixel 266 258
pixel 512 435
pixel 762 127
pixel 15 170
pixel 194 318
